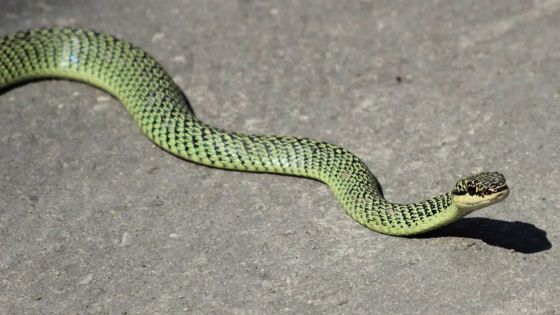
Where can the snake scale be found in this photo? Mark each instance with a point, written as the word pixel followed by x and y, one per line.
pixel 163 113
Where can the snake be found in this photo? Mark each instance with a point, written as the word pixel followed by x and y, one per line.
pixel 165 116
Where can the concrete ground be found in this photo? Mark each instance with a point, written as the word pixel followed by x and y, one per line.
pixel 94 219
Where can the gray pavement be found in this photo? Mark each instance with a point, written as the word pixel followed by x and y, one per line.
pixel 94 219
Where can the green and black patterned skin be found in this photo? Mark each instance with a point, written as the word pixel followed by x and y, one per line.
pixel 163 114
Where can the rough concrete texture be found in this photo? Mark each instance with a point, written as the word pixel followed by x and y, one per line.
pixel 95 219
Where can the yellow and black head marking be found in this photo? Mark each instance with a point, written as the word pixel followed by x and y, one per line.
pixel 480 190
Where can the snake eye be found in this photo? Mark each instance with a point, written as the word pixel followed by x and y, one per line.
pixel 471 188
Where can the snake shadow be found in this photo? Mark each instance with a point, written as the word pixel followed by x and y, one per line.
pixel 518 236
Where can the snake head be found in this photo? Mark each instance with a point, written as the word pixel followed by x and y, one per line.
pixel 480 190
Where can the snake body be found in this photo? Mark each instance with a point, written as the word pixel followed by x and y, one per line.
pixel 163 113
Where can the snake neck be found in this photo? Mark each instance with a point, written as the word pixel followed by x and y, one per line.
pixel 358 192
pixel 402 219
pixel 163 114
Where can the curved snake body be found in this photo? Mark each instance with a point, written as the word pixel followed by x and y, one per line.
pixel 163 114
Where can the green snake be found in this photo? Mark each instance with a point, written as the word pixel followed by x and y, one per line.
pixel 164 115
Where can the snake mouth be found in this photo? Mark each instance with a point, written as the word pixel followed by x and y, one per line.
pixel 499 196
